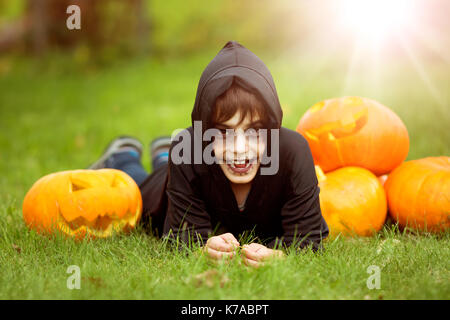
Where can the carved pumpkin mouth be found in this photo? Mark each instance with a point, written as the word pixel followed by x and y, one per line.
pixel 101 223
pixel 101 227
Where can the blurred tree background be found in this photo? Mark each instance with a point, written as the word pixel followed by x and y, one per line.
pixel 114 28
pixel 162 28
pixel 36 26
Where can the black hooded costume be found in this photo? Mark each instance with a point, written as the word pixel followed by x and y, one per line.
pixel 196 199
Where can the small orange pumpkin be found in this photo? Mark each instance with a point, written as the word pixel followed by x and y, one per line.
pixel 418 193
pixel 93 203
pixel 355 131
pixel 352 201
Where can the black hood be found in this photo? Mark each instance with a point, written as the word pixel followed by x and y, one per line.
pixel 235 63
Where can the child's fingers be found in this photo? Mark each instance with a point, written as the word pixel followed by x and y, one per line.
pixel 251 254
pixel 219 255
pixel 229 238
pixel 256 246
pixel 251 263
pixel 219 244
pixel 261 253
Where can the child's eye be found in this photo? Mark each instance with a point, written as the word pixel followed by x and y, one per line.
pixel 253 132
pixel 226 132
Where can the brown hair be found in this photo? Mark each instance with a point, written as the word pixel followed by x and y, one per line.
pixel 237 98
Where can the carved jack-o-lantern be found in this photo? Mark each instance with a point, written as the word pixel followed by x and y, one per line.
pixel 352 201
pixel 354 131
pixel 93 203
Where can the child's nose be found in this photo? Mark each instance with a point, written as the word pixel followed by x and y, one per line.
pixel 241 143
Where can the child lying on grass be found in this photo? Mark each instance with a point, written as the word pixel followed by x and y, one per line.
pixel 213 192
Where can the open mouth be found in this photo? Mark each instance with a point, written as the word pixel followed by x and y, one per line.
pixel 241 167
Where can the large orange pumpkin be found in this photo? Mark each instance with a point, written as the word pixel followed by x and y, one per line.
pixel 355 131
pixel 93 203
pixel 352 201
pixel 418 193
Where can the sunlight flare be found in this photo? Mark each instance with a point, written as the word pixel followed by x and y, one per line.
pixel 375 20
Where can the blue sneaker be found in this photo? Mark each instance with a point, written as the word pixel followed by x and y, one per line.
pixel 159 151
pixel 119 144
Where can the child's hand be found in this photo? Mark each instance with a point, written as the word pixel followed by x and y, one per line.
pixel 255 254
pixel 221 247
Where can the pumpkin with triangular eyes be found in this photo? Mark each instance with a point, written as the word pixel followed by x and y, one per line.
pixel 354 131
pixel 79 203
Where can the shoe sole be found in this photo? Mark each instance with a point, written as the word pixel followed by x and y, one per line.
pixel 158 143
pixel 113 146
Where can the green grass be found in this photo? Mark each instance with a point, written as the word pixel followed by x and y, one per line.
pixel 59 112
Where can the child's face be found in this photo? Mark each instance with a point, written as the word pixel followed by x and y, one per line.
pixel 242 145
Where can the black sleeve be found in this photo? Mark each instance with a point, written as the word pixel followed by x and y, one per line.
pixel 187 218
pixel 301 217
